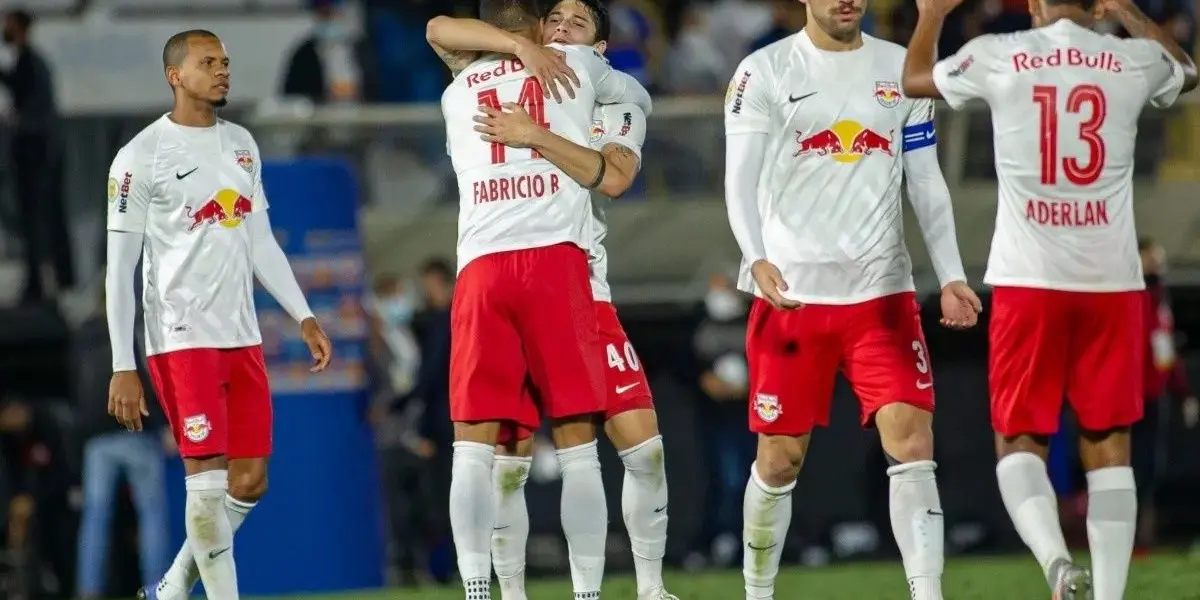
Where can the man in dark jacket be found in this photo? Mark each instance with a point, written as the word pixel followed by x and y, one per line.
pixel 330 65
pixel 36 161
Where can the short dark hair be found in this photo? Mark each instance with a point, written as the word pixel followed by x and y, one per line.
pixel 20 18
pixel 599 12
pixel 1084 4
pixel 509 15
pixel 437 267
pixel 176 48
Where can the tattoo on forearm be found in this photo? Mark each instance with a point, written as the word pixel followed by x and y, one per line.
pixel 457 60
pixel 624 153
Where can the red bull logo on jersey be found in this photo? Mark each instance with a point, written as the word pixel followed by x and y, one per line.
pixel 887 93
pixel 226 208
pixel 245 160
pixel 844 142
pixel 597 130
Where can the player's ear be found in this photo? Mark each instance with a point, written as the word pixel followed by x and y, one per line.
pixel 600 46
pixel 172 74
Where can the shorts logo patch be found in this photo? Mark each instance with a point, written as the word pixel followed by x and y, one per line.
pixel 196 428
pixel 767 407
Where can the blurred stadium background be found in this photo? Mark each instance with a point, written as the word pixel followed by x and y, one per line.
pixel 342 96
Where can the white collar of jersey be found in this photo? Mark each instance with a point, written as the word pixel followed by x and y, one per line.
pixel 189 130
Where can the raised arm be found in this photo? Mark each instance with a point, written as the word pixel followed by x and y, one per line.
pixel 1140 26
pixel 459 42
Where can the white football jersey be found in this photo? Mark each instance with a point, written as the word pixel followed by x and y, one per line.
pixel 1065 102
pixel 829 194
pixel 512 198
pixel 623 124
pixel 189 190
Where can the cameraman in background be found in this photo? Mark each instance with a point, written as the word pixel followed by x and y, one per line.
pixel 112 455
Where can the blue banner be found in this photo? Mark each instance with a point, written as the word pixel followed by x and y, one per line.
pixel 319 529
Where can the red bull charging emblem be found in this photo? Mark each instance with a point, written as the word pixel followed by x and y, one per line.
pixel 887 93
pixel 844 142
pixel 226 208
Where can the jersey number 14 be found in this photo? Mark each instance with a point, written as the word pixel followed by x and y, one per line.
pixel 532 99
pixel 1080 171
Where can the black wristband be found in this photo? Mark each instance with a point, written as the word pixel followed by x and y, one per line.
pixel 599 174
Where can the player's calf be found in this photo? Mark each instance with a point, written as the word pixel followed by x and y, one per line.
pixel 511 531
pixel 1112 509
pixel 767 510
pixel 1030 500
pixel 643 495
pixel 916 508
pixel 584 510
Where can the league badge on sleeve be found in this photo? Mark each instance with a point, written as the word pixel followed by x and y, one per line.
pixel 888 93
pixel 112 190
pixel 245 160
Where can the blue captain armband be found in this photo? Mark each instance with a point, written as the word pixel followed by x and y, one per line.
pixel 921 135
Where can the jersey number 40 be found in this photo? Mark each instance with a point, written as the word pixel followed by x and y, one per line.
pixel 1080 171
pixel 532 99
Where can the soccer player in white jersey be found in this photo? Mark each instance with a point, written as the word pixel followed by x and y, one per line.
pixel 523 310
pixel 185 197
pixel 818 140
pixel 1064 264
pixel 618 132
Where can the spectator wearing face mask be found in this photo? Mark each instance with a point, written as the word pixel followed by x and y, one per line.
pixel 720 348
pixel 332 64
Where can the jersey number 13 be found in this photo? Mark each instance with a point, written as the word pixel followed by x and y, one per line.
pixel 1079 170
pixel 532 99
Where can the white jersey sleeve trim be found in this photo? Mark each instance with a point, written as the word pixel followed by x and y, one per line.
pixel 120 301
pixel 744 155
pixel 272 268
pixel 930 199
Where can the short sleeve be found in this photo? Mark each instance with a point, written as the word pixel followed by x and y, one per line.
pixel 1163 74
pixel 964 76
pixel 130 188
pixel 623 124
pixel 919 130
pixel 748 99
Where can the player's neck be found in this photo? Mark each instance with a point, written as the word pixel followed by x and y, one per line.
pixel 823 41
pixel 1068 13
pixel 192 114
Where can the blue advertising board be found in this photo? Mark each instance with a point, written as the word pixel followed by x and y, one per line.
pixel 319 528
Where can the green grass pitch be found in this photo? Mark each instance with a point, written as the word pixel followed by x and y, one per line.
pixel 1160 577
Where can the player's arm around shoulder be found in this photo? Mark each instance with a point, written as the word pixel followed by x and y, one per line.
pixel 621 146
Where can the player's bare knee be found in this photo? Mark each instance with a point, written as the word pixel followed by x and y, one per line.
pixel 248 479
pixel 1037 445
pixel 480 433
pixel 780 458
pixel 1101 449
pixel 573 431
pixel 631 428
pixel 906 432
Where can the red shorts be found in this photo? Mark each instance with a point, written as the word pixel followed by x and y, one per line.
pixel 794 356
pixel 217 401
pixel 521 318
pixel 1047 344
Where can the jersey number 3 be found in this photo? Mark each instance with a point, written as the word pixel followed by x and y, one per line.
pixel 1080 171
pixel 532 99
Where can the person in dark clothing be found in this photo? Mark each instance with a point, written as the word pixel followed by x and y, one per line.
pixel 1165 379
pixel 416 472
pixel 329 65
pixel 111 454
pixel 790 17
pixel 37 161
pixel 720 349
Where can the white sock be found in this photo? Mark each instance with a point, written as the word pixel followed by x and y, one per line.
pixel 181 578
pixel 1111 526
pixel 767 514
pixel 584 517
pixel 472 515
pixel 1032 506
pixel 209 533
pixel 919 527
pixel 644 506
pixel 511 531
